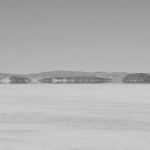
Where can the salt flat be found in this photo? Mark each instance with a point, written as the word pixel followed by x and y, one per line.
pixel 75 117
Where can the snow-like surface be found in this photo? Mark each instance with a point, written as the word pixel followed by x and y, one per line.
pixel 75 117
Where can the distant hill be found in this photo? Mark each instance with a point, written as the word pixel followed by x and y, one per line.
pixel 5 75
pixel 114 77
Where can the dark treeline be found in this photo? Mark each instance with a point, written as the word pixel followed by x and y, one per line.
pixel 19 79
pixel 75 80
pixel 130 78
pixel 137 78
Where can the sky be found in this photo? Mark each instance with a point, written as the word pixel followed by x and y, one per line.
pixel 77 35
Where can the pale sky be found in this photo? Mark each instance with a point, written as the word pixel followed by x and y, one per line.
pixel 85 35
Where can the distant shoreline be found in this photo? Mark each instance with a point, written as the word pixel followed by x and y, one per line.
pixel 75 77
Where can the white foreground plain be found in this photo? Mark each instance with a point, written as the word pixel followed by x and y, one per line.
pixel 75 117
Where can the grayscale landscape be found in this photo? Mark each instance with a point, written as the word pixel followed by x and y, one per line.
pixel 74 75
pixel 75 117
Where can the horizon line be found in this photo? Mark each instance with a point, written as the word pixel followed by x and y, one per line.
pixel 73 71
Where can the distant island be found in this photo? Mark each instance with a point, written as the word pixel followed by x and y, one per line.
pixel 74 77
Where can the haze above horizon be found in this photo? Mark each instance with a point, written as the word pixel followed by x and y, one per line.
pixel 87 35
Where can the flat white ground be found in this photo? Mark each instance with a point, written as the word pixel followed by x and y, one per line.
pixel 75 117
